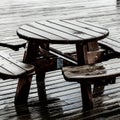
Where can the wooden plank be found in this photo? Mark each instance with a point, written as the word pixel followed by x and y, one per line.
pixel 111 44
pixel 75 27
pixel 55 32
pixel 103 70
pixel 27 30
pixel 13 44
pixel 54 25
pixel 88 26
pixel 11 68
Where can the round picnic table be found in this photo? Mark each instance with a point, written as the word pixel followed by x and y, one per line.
pixel 40 34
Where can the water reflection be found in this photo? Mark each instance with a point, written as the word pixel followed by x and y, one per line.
pixel 51 110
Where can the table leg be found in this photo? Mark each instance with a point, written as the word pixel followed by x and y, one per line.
pixel 81 51
pixel 86 96
pixel 23 86
pixel 40 79
pixel 22 92
pixel 85 86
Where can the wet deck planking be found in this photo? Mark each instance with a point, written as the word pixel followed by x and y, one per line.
pixel 68 104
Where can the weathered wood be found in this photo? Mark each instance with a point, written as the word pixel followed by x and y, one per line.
pixel 13 45
pixel 86 92
pixel 16 12
pixel 24 83
pixel 100 71
pixel 81 51
pixel 22 91
pixel 91 74
pixel 110 44
pixel 71 33
pixel 95 56
pixel 10 68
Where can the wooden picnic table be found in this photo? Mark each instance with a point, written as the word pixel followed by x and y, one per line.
pixel 40 34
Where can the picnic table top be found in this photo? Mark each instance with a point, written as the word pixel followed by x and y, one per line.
pixel 61 31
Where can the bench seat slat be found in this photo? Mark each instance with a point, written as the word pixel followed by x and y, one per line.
pixel 20 65
pixel 10 68
pixel 100 71
pixel 111 44
pixel 4 71
pixel 14 44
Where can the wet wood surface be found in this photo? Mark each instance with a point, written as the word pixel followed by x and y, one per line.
pixel 10 68
pixel 67 103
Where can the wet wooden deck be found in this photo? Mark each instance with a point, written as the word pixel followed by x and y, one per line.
pixel 68 104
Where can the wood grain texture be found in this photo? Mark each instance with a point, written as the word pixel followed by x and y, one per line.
pixel 10 68
pixel 100 71
pixel 70 33
pixel 14 13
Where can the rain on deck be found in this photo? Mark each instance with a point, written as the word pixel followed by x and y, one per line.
pixel 68 104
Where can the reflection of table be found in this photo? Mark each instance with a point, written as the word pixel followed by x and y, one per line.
pixel 41 33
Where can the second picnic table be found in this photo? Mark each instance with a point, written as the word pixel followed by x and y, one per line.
pixel 40 34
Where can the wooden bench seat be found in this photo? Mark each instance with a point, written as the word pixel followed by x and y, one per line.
pixel 13 43
pixel 98 71
pixel 10 68
pixel 88 74
pixel 111 44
